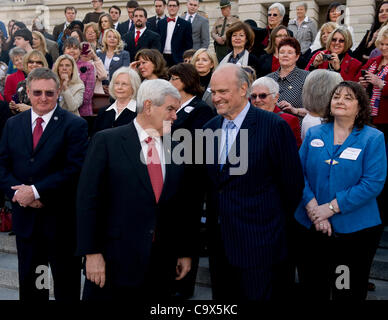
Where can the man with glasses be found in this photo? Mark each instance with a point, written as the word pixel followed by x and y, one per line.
pixel 94 16
pixel 175 34
pixel 220 27
pixel 41 155
pixel 160 6
pixel 128 25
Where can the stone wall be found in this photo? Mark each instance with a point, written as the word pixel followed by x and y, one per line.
pixel 359 13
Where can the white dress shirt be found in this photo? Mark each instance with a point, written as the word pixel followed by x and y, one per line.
pixel 143 135
pixel 46 118
pixel 141 31
pixel 170 31
pixel 130 106
pixel 187 18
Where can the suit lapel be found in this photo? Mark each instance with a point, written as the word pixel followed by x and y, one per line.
pixel 55 121
pixel 27 129
pixel 131 145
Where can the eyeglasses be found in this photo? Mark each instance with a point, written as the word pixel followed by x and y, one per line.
pixel 272 14
pixel 35 62
pixel 338 40
pixel 261 96
pixel 38 93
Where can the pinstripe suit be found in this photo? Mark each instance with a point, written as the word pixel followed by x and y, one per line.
pixel 247 213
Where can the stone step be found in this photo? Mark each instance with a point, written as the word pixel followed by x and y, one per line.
pixel 7 243
pixel 384 239
pixel 9 270
pixel 379 268
pixel 381 292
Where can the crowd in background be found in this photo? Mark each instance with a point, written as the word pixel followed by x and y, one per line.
pixel 299 71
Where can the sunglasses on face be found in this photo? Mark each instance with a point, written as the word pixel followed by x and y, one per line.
pixel 338 40
pixel 272 14
pixel 261 96
pixel 38 93
pixel 35 62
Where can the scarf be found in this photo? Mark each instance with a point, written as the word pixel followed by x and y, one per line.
pixel 376 91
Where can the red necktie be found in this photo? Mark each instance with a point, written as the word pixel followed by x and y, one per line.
pixel 137 37
pixel 154 168
pixel 37 133
pixel 170 19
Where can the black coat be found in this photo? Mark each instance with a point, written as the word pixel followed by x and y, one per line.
pixel 148 40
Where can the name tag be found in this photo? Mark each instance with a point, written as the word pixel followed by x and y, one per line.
pixel 350 153
pixel 188 109
pixel 116 59
pixel 317 143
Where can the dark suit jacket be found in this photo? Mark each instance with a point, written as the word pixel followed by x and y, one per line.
pixel 123 27
pixel 119 60
pixel 123 232
pixel 151 23
pixel 53 167
pixel 57 30
pixel 148 40
pixel 106 119
pixel 253 207
pixel 181 38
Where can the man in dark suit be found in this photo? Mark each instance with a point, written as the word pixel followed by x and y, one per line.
pixel 128 25
pixel 131 226
pixel 141 37
pixel 41 154
pixel 255 184
pixel 70 15
pixel 160 6
pixel 175 34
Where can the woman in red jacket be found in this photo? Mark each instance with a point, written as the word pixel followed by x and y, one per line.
pixel 336 56
pixel 375 79
pixel 11 82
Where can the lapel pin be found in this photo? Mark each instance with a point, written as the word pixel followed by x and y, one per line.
pixel 328 161
pixel 290 87
pixel 55 118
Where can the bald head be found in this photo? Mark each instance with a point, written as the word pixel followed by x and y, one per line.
pixel 230 90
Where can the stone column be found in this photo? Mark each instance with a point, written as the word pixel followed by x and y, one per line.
pixel 250 9
pixel 360 15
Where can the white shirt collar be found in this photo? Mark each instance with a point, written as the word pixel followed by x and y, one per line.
pixel 131 106
pixel 185 104
pixel 46 117
pixel 188 16
pixel 141 30
pixel 143 135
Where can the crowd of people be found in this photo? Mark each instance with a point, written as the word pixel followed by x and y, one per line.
pixel 84 158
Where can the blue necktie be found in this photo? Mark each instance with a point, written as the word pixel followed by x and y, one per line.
pixel 229 126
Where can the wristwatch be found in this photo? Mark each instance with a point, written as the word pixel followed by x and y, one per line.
pixel 332 208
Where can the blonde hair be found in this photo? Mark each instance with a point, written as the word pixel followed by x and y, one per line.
pixel 383 33
pixel 120 45
pixel 326 26
pixel 34 53
pixel 212 56
pixel 75 79
pixel 43 46
pixel 344 31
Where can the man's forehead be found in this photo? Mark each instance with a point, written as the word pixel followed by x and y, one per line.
pixel 43 84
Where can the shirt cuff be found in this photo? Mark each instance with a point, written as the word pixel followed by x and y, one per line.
pixel 36 194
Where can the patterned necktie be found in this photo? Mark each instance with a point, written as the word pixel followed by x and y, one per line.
pixel 137 37
pixel 154 168
pixel 170 19
pixel 37 133
pixel 229 126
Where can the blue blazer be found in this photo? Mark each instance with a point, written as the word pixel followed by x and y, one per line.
pixel 119 60
pixel 53 167
pixel 355 183
pixel 181 38
pixel 253 207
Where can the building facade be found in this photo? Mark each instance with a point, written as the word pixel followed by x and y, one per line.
pixel 359 13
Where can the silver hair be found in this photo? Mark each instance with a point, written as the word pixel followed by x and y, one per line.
pixel 241 75
pixel 317 89
pixel 156 91
pixel 134 79
pixel 269 83
pixel 300 4
pixel 280 7
pixel 14 52
pixel 42 74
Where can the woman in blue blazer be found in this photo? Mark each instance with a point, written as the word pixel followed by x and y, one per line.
pixel 339 226
pixel 112 53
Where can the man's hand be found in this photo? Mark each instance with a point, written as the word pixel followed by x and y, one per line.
pixel 36 204
pixel 183 266
pixel 95 269
pixel 24 195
